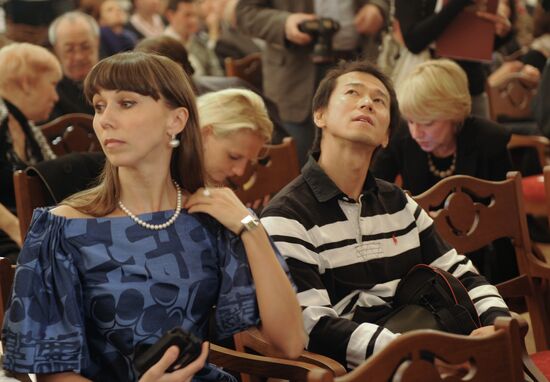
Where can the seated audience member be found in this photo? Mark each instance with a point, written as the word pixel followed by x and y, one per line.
pixel 28 76
pixel 173 49
pixel 183 25
pixel 234 128
pixel 443 139
pixel 348 237
pixel 145 20
pixel 75 40
pixel 114 38
pixel 148 249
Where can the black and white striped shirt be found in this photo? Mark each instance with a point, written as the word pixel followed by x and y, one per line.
pixel 347 257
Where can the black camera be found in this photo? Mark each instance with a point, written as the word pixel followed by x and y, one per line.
pixel 188 344
pixel 321 30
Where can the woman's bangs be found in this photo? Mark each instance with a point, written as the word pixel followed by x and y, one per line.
pixel 112 74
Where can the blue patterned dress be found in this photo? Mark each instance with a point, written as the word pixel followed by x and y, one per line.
pixel 88 293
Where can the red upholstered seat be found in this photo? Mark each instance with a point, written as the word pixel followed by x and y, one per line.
pixel 542 361
pixel 533 188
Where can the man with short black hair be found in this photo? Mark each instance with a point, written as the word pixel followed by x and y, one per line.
pixel 350 238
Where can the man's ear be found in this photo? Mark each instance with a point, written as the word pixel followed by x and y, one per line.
pixel 319 118
pixel 178 120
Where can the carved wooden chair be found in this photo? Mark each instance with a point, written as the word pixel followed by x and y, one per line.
pixel 30 193
pixel 410 357
pixel 260 367
pixel 510 97
pixel 45 184
pixel 470 213
pixel 71 133
pixel 270 174
pixel 533 185
pixel 540 144
pixel 248 68
pixel 6 280
pixel 251 341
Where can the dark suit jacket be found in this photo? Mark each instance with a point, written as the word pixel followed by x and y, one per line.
pixel 481 152
pixel 71 99
pixel 288 72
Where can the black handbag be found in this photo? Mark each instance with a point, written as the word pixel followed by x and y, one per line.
pixel 431 298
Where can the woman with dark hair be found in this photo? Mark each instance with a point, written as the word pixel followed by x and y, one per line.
pixel 116 266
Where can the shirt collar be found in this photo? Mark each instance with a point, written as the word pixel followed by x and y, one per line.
pixel 323 187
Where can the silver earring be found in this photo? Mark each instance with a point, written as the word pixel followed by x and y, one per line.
pixel 174 142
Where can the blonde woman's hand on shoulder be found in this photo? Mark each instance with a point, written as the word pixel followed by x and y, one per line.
pixel 220 203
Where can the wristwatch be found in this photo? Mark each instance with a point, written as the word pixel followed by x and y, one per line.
pixel 249 223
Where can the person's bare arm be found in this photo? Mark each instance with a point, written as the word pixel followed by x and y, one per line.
pixel 9 223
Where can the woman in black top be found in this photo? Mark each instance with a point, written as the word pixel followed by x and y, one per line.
pixel 443 139
pixel 28 76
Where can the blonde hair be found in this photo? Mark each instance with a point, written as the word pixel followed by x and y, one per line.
pixel 231 110
pixel 23 63
pixel 435 90
pixel 159 78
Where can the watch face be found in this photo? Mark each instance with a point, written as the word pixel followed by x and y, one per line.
pixel 250 222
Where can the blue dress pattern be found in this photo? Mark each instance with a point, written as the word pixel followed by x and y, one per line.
pixel 89 292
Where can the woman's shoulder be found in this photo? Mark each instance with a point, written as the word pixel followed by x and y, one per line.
pixel 69 212
pixel 483 131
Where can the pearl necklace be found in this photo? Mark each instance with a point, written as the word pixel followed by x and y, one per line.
pixel 442 173
pixel 155 227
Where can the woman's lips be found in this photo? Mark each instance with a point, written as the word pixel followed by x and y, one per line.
pixel 111 143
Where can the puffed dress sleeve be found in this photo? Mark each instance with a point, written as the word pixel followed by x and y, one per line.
pixel 237 306
pixel 43 329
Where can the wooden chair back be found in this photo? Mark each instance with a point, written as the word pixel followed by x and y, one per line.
pixel 470 213
pixel 270 174
pixel 30 193
pixel 540 144
pixel 71 133
pixel 7 272
pixel 495 357
pixel 251 341
pixel 510 98
pixel 248 68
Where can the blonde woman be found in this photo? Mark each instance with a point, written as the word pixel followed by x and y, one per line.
pixel 28 77
pixel 234 128
pixel 440 137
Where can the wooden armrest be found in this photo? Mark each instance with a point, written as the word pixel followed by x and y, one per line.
pixel 261 366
